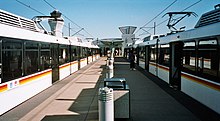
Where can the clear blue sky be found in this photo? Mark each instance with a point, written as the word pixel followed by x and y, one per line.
pixel 101 18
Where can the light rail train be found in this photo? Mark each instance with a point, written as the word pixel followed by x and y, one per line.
pixel 188 61
pixel 31 61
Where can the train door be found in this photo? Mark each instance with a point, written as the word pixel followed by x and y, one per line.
pixel 176 50
pixel 87 55
pixel 0 61
pixel 125 53
pixel 147 57
pixel 138 49
pixel 70 57
pixel 55 62
pixel 79 56
pixel 153 62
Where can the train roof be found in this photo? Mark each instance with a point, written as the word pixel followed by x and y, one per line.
pixel 203 29
pixel 14 26
pixel 210 17
pixel 17 21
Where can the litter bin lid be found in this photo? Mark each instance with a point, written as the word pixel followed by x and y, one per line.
pixel 115 79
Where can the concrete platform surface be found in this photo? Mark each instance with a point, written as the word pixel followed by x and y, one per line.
pixel 71 99
pixel 75 98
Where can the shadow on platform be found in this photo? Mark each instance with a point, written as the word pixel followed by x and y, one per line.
pixel 85 106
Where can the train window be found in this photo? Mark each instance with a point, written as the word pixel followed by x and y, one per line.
pixel 79 52
pixel 89 52
pixel 142 54
pixel 45 46
pixel 189 57
pixel 208 63
pixel 31 57
pixel 11 59
pixel 84 52
pixel 93 51
pixel 64 54
pixel 98 51
pixel 11 44
pixel 31 45
pixel 73 53
pixel 153 53
pixel 164 55
pixel 45 62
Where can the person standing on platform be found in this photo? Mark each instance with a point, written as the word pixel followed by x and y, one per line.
pixel 132 59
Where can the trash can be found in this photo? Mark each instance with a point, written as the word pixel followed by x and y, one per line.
pixel 106 104
pixel 110 73
pixel 115 83
pixel 121 95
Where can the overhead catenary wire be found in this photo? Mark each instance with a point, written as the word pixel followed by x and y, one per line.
pixel 49 4
pixel 30 7
pixel 160 13
pixel 62 14
pixel 88 33
pixel 181 11
pixel 81 28
pixel 191 5
pixel 157 15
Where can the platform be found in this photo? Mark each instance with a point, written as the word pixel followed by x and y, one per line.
pixel 75 98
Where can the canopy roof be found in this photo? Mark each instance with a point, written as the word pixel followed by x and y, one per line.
pixel 112 41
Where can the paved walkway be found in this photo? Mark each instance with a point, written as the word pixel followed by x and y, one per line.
pixel 75 98
pixel 148 101
pixel 72 99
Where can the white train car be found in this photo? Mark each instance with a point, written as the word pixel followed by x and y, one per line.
pixel 31 61
pixel 189 61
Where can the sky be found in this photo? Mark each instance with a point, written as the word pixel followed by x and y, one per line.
pixel 102 18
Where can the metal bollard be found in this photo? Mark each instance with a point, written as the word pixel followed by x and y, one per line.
pixel 110 73
pixel 111 62
pixel 106 104
pixel 107 62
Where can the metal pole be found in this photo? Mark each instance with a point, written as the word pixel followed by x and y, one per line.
pixel 69 28
pixel 154 28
